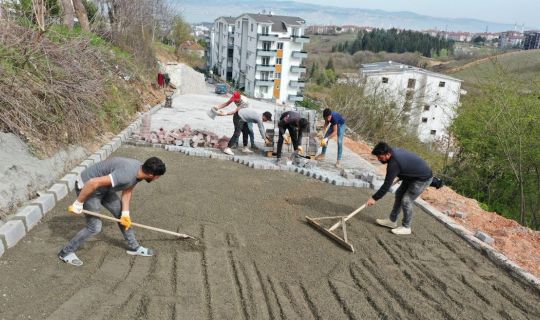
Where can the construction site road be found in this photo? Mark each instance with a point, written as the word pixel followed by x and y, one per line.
pixel 256 257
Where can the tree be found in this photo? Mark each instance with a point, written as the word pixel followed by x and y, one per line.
pixel 68 13
pixel 181 31
pixel 80 12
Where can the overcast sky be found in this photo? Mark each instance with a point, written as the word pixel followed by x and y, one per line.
pixel 505 11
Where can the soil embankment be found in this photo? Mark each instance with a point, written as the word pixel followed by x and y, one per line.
pixel 256 259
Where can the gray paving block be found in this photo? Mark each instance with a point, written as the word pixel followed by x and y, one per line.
pixel 69 180
pixel 12 232
pixel 29 215
pixel 484 237
pixel 59 190
pixel 46 201
pixel 95 158
pixel 103 154
pixel 461 214
pixel 115 143
pixel 108 149
pixel 2 250
pixel 86 163
pixel 78 170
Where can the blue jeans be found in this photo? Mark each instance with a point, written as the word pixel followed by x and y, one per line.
pixel 110 200
pixel 340 136
pixel 407 192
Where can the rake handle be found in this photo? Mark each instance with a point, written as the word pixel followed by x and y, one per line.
pixel 352 214
pixel 99 215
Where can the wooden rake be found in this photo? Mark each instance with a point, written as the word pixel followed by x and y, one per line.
pixel 133 224
pixel 344 241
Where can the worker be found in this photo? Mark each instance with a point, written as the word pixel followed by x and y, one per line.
pixel 97 187
pixel 415 175
pixel 247 115
pixel 295 124
pixel 334 125
pixel 237 121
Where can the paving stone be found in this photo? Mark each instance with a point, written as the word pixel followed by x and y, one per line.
pixel 484 237
pixel 59 190
pixel 95 158
pixel 108 149
pixel 115 144
pixel 45 201
pixel 11 232
pixel 86 163
pixel 461 214
pixel 29 215
pixel 69 180
pixel 2 250
pixel 103 153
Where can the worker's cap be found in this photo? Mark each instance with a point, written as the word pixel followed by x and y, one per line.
pixel 236 96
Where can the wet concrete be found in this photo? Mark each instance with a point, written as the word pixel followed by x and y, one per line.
pixel 256 257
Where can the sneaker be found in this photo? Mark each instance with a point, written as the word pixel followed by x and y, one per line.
pixel 320 157
pixel 141 251
pixel 386 223
pixel 339 165
pixel 228 151
pixel 246 150
pixel 70 258
pixel 401 230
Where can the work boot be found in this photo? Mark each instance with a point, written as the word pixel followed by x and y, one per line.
pixel 401 231
pixel 228 151
pixel 246 150
pixel 386 223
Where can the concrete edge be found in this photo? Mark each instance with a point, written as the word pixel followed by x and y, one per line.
pixel 101 154
pixel 492 254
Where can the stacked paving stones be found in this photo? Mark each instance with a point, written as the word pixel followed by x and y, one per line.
pixel 27 217
pixel 185 136
pixel 309 142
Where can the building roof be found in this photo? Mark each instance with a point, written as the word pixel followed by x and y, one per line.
pixel 394 67
pixel 279 23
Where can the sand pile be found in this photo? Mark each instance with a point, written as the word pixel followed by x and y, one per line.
pixel 185 79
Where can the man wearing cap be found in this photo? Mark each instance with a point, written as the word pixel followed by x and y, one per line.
pixel 237 121
pixel 292 121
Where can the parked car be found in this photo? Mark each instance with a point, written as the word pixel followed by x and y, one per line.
pixel 221 88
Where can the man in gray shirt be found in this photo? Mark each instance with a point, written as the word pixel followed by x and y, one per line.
pixel 246 116
pixel 97 187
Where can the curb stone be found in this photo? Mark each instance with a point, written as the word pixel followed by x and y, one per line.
pixel 59 190
pixel 46 202
pixel 12 232
pixel 1 248
pixel 29 215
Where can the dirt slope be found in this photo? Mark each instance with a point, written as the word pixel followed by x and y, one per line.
pixel 257 258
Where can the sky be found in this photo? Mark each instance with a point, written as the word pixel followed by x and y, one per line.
pixel 503 11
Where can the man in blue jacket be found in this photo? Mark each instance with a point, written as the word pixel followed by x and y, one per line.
pixel 334 125
pixel 415 175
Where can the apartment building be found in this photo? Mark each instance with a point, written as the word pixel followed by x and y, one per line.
pixel 531 40
pixel 267 55
pixel 222 47
pixel 428 99
pixel 510 39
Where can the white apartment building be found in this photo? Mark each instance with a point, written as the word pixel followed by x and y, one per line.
pixel 267 56
pixel 427 98
pixel 221 47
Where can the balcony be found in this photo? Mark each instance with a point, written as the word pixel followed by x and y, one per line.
pixel 298 69
pixel 262 67
pixel 297 97
pixel 300 39
pixel 297 83
pixel 299 54
pixel 264 82
pixel 267 37
pixel 266 53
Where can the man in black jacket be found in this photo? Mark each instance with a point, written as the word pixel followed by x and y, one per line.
pixel 292 121
pixel 416 176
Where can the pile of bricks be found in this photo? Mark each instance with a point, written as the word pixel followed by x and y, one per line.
pixel 185 136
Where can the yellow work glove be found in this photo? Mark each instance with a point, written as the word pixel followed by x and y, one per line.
pixel 324 142
pixel 76 207
pixel 125 220
pixel 287 138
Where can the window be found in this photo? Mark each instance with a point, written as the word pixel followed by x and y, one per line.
pixel 251 24
pixel 279 60
pixel 411 83
pixel 280 45
pixel 264 75
pixel 424 120
pixel 265 30
pixel 384 80
pixel 266 61
pixel 264 89
pixel 433 132
pixel 277 75
pixel 295 32
pixel 426 108
pixel 442 84
pixel 266 45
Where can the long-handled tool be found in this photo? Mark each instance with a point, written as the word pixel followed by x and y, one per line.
pixel 330 231
pixel 180 235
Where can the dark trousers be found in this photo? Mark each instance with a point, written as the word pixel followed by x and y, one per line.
pixel 296 137
pixel 407 192
pixel 240 126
